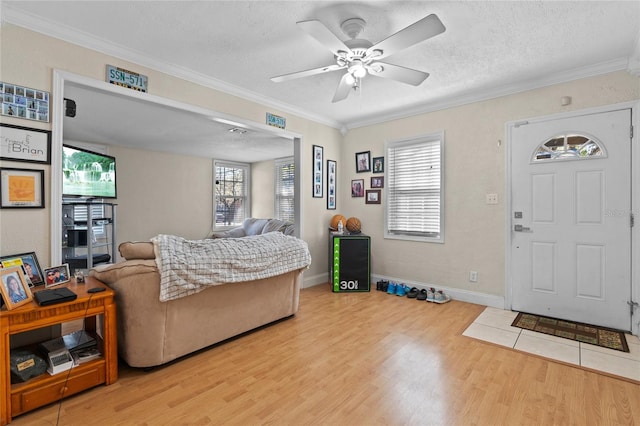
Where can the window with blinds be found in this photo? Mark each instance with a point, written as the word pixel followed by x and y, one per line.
pixel 414 201
pixel 231 193
pixel 285 189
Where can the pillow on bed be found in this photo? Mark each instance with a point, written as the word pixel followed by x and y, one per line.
pixel 137 250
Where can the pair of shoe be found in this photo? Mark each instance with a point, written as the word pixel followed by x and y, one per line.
pixel 382 285
pixel 397 289
pixel 441 297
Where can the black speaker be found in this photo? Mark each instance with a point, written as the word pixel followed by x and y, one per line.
pixel 69 107
pixel 350 266
pixel 76 237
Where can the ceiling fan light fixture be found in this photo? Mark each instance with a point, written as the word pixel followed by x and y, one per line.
pixel 357 69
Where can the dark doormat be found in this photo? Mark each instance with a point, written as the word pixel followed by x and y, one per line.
pixel 592 334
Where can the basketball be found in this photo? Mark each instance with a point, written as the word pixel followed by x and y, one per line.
pixel 353 225
pixel 336 219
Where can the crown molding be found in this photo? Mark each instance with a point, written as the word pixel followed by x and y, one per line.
pixel 634 59
pixel 498 91
pixel 82 39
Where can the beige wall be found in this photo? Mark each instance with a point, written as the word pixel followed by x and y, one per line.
pixel 262 189
pixel 29 58
pixel 474 166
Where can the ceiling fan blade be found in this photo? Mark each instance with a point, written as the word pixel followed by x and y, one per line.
pixel 398 73
pixel 320 32
pixel 344 87
pixel 419 31
pixel 306 73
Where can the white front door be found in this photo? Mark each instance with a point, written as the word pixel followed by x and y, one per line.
pixel 570 218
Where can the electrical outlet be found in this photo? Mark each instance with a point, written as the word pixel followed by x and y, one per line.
pixel 492 198
pixel 473 276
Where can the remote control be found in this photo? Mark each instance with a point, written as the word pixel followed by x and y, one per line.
pixel 96 289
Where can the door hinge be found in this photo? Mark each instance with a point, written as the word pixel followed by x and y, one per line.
pixel 632 305
pixel 632 219
pixel 631 132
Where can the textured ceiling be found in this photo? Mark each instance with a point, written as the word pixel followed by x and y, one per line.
pixel 489 48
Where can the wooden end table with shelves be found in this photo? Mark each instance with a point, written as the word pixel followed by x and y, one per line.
pixel 42 390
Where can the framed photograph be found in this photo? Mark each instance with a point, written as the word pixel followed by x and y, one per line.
pixel 318 179
pixel 378 164
pixel 363 161
pixel 25 144
pixel 331 184
pixel 14 288
pixel 29 264
pixel 357 188
pixel 21 188
pixel 57 275
pixel 24 102
pixel 377 181
pixel 373 196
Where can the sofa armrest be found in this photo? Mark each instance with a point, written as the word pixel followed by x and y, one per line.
pixel 112 273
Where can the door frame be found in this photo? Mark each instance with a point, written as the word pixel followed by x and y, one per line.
pixel 635 195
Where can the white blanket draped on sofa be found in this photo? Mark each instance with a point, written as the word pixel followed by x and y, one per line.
pixel 189 266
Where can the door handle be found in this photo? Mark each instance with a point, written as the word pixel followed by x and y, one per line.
pixel 520 228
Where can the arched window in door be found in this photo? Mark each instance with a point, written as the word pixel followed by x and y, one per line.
pixel 569 146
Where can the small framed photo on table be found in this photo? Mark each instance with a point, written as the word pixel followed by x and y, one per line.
pixel 14 288
pixel 29 264
pixel 57 275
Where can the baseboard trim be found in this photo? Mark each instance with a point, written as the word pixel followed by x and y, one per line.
pixel 313 280
pixel 462 295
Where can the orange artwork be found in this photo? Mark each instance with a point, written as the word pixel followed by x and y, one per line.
pixel 22 188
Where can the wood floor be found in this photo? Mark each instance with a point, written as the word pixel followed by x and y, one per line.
pixel 356 359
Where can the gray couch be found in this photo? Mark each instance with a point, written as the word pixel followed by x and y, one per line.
pixel 253 226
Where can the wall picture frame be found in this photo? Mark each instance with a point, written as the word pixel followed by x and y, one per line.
pixel 24 102
pixel 57 275
pixel 332 172
pixel 378 164
pixel 318 175
pixel 29 264
pixel 21 188
pixel 363 161
pixel 374 196
pixel 377 181
pixel 357 188
pixel 19 143
pixel 14 288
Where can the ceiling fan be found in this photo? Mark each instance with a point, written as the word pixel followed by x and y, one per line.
pixel 360 57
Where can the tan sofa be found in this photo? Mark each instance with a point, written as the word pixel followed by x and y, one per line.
pixel 152 333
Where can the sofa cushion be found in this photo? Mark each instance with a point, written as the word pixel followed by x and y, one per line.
pixel 274 225
pixel 253 226
pixel 137 250
pixel 231 233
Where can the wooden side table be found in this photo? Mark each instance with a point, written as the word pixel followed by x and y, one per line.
pixel 22 397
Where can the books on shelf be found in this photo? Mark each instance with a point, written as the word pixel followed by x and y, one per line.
pixel 70 350
pixel 84 355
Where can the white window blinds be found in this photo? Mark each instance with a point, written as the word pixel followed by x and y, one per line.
pixel 414 194
pixel 285 188
pixel 231 193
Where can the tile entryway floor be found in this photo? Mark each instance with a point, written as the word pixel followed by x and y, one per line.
pixel 494 325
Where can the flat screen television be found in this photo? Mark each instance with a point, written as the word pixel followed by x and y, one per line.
pixel 87 174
